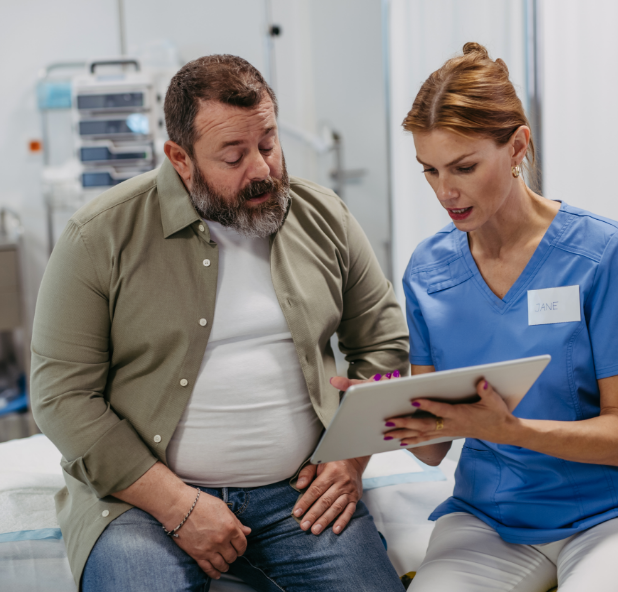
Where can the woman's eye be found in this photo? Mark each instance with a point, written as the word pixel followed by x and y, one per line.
pixel 430 171
pixel 466 169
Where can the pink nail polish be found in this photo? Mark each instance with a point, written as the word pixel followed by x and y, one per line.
pixel 388 375
pixel 377 377
pixel 415 404
pixel 389 424
pixel 396 374
pixel 388 437
pixel 485 386
pixel 403 444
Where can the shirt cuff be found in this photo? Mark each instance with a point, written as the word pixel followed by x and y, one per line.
pixel 607 371
pixel 421 361
pixel 115 461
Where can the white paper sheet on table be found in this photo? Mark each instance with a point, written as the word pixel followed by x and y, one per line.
pixel 394 468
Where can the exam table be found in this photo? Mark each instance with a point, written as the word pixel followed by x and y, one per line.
pixel 400 492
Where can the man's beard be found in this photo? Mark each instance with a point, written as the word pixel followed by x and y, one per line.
pixel 257 221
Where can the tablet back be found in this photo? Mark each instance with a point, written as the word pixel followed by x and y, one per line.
pixel 358 426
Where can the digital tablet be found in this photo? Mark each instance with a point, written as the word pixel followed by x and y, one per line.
pixel 357 429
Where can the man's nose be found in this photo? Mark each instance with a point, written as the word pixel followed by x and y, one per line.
pixel 258 168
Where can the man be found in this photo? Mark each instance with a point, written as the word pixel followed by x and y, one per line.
pixel 181 361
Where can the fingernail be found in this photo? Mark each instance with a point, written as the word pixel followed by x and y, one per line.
pixel 388 375
pixel 389 424
pixel 317 529
pixel 305 524
pixel 485 386
pixel 337 529
pixel 403 444
pixel 298 512
pixel 388 437
pixel 377 377
pixel 396 374
pixel 415 404
pixel 330 380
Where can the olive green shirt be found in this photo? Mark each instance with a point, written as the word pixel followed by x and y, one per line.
pixel 117 342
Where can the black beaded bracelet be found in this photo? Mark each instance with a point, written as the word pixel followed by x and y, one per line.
pixel 172 533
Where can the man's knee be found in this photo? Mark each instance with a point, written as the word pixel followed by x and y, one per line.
pixel 133 553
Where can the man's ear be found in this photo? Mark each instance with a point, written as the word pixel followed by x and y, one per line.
pixel 180 161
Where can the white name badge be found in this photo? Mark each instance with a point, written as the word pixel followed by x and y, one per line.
pixel 553 305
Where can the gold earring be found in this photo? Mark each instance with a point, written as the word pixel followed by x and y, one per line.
pixel 515 171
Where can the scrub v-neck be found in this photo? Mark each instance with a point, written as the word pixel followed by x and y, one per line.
pixel 541 252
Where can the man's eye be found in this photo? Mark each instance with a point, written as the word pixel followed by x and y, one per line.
pixel 267 149
pixel 233 162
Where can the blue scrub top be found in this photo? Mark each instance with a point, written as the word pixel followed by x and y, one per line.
pixel 455 320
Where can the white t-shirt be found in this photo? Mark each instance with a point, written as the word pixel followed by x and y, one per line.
pixel 249 421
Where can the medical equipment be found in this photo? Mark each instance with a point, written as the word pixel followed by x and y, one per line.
pixel 115 123
pixel 102 124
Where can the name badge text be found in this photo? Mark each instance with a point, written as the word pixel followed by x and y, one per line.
pixel 554 305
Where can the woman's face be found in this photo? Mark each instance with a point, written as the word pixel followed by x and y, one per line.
pixel 471 175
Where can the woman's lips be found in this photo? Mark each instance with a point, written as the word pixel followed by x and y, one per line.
pixel 459 213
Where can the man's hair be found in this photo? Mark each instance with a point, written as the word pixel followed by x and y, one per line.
pixel 225 78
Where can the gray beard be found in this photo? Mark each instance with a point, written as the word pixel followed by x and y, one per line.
pixel 251 221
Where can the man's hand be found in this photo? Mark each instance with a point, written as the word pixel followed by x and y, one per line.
pixel 212 535
pixel 337 486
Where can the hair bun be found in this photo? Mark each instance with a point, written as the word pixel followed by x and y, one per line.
pixel 473 47
pixel 503 65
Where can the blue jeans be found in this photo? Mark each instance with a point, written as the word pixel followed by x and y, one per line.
pixel 134 554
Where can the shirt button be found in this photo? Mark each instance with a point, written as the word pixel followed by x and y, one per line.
pixel 105 513
pixel 201 227
pixel 203 322
pixel 184 382
pixel 157 438
pixel 206 262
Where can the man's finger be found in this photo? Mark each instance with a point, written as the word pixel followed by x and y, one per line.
pixel 317 489
pixel 320 507
pixel 219 563
pixel 336 509
pixel 229 554
pixel 239 542
pixel 208 569
pixel 306 476
pixel 344 518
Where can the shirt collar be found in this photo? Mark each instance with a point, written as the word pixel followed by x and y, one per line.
pixel 177 211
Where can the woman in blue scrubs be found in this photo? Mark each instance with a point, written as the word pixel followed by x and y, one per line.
pixel 514 275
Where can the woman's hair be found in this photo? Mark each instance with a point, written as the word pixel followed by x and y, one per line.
pixel 470 94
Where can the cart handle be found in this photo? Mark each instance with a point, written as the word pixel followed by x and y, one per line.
pixel 119 62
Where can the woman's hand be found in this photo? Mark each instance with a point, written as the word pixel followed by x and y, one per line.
pixel 343 384
pixel 488 419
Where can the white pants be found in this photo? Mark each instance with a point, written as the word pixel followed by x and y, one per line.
pixel 467 555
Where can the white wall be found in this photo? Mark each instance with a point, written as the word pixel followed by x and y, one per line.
pixel 423 35
pixel 350 95
pixel 580 107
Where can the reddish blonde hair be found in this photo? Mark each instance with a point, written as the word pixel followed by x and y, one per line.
pixel 470 95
